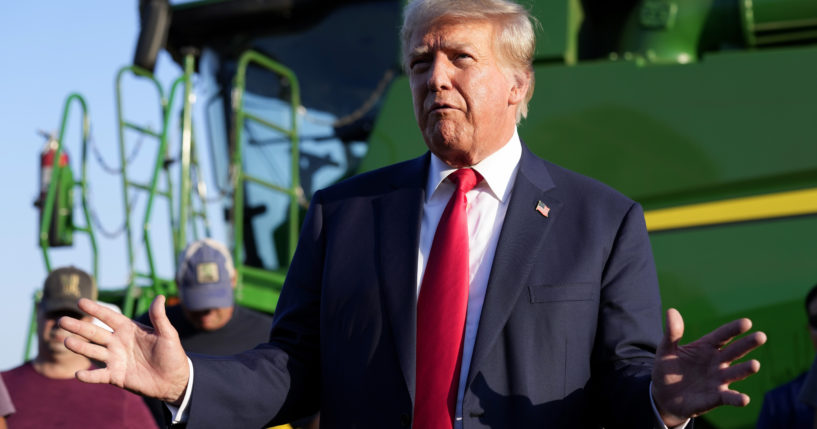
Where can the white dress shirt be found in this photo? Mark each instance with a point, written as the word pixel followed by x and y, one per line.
pixel 487 204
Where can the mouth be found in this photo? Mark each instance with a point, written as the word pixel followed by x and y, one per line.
pixel 438 107
pixel 58 337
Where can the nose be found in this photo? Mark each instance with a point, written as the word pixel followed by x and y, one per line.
pixel 439 74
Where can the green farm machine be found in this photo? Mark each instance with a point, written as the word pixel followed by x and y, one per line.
pixel 704 111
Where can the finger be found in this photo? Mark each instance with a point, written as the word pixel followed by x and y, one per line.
pixel 741 347
pixel 91 351
pixel 673 331
pixel 86 330
pixel 158 317
pixel 97 376
pixel 734 398
pixel 723 334
pixel 739 371
pixel 104 314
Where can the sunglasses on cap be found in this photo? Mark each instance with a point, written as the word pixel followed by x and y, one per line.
pixel 56 314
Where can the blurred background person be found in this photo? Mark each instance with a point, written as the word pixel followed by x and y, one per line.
pixel 206 317
pixel 6 407
pixel 782 408
pixel 45 392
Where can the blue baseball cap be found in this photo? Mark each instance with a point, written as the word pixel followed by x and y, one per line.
pixel 205 276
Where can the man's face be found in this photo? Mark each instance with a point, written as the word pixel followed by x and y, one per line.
pixel 464 101
pixel 51 336
pixel 209 319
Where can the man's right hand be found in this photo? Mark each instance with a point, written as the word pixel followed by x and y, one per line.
pixel 148 361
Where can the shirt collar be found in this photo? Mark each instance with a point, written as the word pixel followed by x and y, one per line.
pixel 497 170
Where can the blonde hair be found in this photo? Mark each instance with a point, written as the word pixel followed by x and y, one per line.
pixel 516 40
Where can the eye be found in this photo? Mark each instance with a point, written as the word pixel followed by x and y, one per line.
pixel 418 64
pixel 463 56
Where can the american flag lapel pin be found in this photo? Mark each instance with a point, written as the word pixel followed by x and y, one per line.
pixel 543 209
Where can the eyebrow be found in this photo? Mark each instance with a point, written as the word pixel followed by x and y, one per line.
pixel 423 50
pixel 419 51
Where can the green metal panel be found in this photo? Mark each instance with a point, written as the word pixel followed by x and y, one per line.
pixel 395 136
pixel 779 21
pixel 667 135
pixel 260 288
pixel 672 31
pixel 560 21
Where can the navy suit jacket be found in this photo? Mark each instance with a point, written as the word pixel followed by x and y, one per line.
pixel 567 337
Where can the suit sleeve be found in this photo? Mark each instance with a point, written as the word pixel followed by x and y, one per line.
pixel 276 382
pixel 629 327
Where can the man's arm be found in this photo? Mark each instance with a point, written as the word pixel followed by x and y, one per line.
pixel 276 382
pixel 628 330
pixel 687 380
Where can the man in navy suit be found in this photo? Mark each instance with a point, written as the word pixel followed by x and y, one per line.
pixel 562 321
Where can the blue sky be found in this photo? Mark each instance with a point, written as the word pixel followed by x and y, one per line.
pixel 49 49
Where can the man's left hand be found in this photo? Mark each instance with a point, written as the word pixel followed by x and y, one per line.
pixel 692 379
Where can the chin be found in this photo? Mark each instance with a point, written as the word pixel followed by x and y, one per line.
pixel 448 149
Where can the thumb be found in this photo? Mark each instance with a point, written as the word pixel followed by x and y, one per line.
pixel 158 317
pixel 674 329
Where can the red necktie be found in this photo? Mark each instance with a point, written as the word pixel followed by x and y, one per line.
pixel 441 312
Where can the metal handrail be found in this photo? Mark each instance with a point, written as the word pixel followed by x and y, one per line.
pixel 48 204
pixel 241 176
pixel 56 175
pixel 161 155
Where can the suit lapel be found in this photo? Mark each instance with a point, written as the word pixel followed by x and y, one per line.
pixel 524 231
pixel 399 214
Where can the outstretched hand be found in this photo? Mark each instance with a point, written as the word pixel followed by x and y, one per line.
pixel 149 361
pixel 692 379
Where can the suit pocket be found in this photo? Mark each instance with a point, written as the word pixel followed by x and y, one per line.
pixel 564 292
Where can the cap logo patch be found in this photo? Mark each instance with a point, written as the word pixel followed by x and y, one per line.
pixel 70 284
pixel 207 272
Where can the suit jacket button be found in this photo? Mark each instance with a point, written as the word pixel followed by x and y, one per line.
pixel 405 420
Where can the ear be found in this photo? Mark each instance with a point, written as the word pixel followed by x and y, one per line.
pixel 520 84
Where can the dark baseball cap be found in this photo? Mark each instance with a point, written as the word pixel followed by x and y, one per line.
pixel 64 287
pixel 205 276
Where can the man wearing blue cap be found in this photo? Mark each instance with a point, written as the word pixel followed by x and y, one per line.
pixel 207 318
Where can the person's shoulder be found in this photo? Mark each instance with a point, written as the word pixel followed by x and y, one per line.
pixel 16 376
pixel 575 181
pixel 789 390
pixel 576 188
pixel 24 368
pixel 376 182
pixel 252 315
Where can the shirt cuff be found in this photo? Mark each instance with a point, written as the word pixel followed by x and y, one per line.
pixel 179 414
pixel 659 421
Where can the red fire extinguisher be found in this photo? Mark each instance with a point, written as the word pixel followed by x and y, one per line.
pixel 59 232
pixel 47 156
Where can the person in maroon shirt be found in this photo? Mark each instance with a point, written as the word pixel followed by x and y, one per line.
pixel 6 407
pixel 45 392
